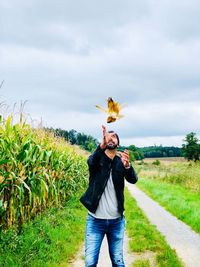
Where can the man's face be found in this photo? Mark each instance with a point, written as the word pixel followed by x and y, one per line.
pixel 112 141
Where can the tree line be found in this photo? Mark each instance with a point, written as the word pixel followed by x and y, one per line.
pixel 85 141
pixel 139 153
pixel 190 149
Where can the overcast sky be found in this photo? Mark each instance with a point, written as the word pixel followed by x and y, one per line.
pixel 64 57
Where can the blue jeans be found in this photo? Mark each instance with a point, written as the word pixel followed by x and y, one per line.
pixel 94 234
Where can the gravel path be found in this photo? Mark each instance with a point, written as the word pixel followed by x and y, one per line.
pixel 178 235
pixel 104 258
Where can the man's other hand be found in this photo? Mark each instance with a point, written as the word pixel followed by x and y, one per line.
pixel 124 158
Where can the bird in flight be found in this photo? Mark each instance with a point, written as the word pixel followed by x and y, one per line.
pixel 113 110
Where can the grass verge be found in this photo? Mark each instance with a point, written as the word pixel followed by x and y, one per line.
pixel 182 203
pixel 50 239
pixel 145 237
pixel 141 263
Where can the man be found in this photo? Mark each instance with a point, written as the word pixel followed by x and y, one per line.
pixel 104 199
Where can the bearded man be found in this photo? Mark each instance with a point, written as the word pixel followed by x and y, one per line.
pixel 104 199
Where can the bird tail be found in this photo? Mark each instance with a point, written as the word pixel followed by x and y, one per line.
pixel 120 116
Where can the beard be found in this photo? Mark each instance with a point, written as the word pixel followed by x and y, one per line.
pixel 111 146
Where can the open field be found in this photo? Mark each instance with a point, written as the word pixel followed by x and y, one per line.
pixel 171 170
pixel 165 160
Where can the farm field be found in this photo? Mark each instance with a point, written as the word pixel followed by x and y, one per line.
pixel 41 179
pixel 166 160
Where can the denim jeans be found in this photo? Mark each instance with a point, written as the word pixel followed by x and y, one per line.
pixel 94 234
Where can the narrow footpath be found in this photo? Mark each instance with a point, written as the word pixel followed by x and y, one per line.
pixel 179 236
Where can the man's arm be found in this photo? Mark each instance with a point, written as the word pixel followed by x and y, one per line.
pixel 130 175
pixel 96 155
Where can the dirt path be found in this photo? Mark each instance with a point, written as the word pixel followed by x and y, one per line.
pixel 104 259
pixel 178 235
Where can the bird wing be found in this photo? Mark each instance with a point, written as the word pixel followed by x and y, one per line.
pixel 121 106
pixel 102 109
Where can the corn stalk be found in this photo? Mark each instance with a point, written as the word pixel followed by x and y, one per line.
pixel 37 171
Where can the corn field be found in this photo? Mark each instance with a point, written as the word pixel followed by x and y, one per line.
pixel 37 171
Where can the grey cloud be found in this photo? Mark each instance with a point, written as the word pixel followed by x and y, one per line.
pixel 32 23
pixel 178 20
pixel 65 57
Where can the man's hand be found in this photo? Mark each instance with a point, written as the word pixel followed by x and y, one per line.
pixel 104 139
pixel 124 157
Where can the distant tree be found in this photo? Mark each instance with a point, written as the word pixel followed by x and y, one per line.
pixel 62 133
pixel 131 156
pixel 86 142
pixel 132 148
pixel 191 150
pixel 91 146
pixel 160 151
pixel 81 139
pixel 72 136
pixel 135 153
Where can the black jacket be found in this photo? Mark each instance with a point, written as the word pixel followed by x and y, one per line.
pixel 100 166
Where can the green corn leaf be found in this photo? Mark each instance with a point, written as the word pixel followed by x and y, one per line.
pixel 3 161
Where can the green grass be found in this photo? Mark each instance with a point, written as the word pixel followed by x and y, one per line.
pixel 51 238
pixel 141 263
pixel 145 237
pixel 184 204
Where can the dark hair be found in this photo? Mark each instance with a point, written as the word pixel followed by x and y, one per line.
pixel 116 136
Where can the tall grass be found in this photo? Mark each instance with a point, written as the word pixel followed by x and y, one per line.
pixel 186 174
pixel 37 171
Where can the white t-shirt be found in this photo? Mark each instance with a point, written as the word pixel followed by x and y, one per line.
pixel 107 208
